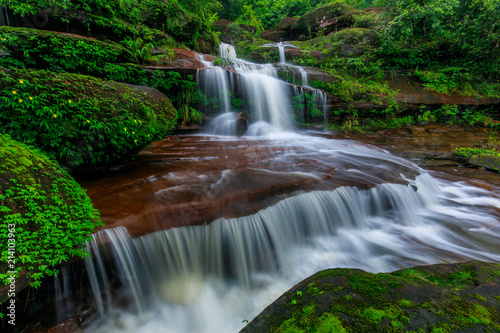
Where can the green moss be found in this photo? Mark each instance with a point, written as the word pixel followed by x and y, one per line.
pixel 384 302
pixel 47 213
pixel 405 303
pixel 328 323
pixel 479 297
pixel 374 314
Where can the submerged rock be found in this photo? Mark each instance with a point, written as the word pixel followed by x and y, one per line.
pixel 438 298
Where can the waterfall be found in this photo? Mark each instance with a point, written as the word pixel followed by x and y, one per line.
pixel 387 227
pixel 281 48
pixel 212 278
pixel 215 83
pixel 267 98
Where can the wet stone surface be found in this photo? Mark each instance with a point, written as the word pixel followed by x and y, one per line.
pixel 430 146
pixel 192 180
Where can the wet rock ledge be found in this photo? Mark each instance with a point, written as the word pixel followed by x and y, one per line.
pixel 462 297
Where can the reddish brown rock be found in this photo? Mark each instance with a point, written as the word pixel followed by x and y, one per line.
pixel 281 32
pixel 192 180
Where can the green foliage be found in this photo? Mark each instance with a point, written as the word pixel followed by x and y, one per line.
pixel 186 20
pixel 46 50
pixel 447 32
pixel 305 109
pixel 183 94
pixel 140 50
pixel 47 212
pixel 80 120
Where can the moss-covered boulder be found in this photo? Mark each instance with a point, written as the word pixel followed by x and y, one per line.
pixel 232 32
pixel 59 51
pixel 350 42
pixel 484 158
pixel 116 20
pixel 45 216
pixel 323 20
pixel 79 120
pixel 460 297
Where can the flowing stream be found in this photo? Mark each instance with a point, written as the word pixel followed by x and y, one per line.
pixel 345 205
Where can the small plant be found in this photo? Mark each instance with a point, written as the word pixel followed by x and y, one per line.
pixel 139 48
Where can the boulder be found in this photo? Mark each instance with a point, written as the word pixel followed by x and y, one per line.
pixel 323 20
pixel 84 122
pixel 232 32
pixel 439 298
pixel 282 31
pixel 44 210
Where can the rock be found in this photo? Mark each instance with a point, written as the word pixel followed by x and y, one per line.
pixel 52 214
pixel 439 298
pixel 222 24
pixel 231 123
pixel 89 123
pixel 232 32
pixel 491 162
pixel 282 31
pixel 489 159
pixel 352 42
pixel 323 20
pixel 412 93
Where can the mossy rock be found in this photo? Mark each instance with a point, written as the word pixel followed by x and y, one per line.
pixel 79 120
pixel 350 42
pixel 56 51
pixel 324 19
pixel 253 50
pixel 43 211
pixel 438 298
pixel 489 159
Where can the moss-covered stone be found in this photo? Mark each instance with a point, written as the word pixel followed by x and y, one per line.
pixel 437 298
pixel 43 212
pixel 323 20
pixel 350 42
pixel 80 120
pixel 489 159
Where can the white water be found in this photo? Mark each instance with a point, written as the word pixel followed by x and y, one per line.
pixel 267 99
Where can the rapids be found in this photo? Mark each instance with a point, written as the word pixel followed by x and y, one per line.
pixel 211 229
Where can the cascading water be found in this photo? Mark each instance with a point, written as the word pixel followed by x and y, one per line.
pixel 368 210
pixel 209 278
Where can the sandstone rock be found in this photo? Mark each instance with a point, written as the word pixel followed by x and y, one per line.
pixel 282 31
